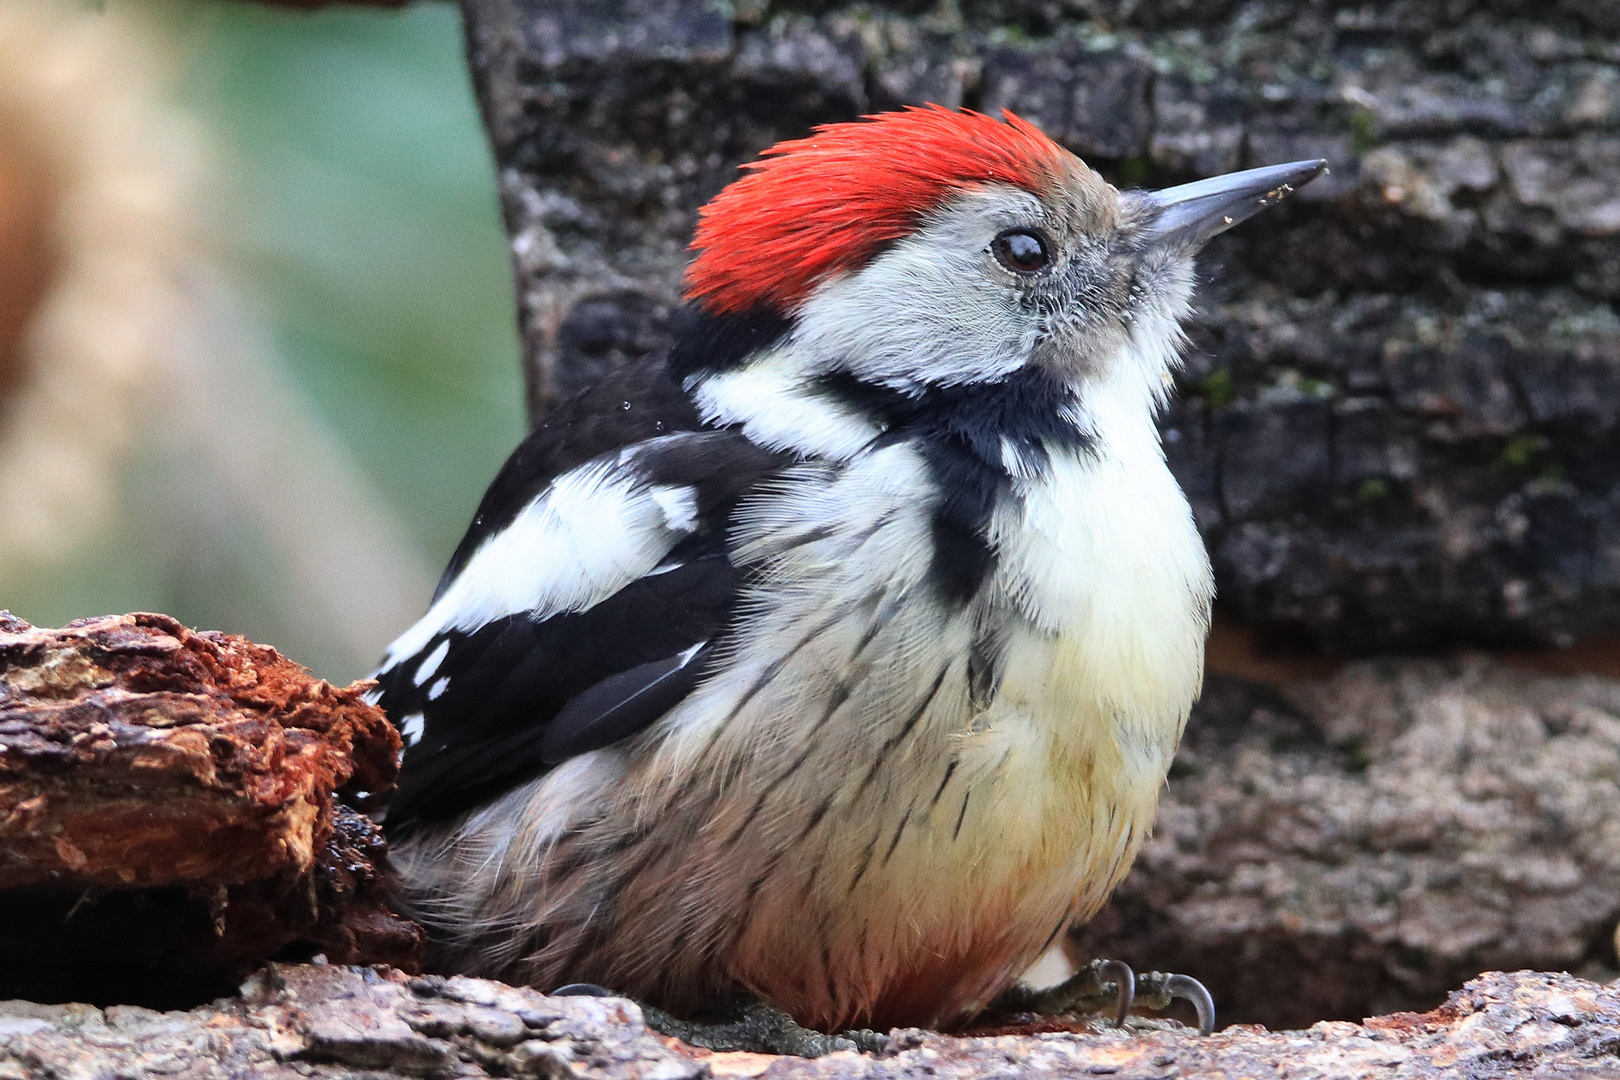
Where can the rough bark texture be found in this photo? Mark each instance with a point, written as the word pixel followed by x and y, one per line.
pixel 331 1021
pixel 1353 846
pixel 1400 422
pixel 167 813
pixel 138 753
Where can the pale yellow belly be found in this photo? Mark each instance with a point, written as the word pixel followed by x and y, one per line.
pixel 919 902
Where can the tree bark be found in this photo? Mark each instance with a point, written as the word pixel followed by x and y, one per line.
pixel 338 1022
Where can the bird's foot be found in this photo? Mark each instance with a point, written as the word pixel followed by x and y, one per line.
pixel 1111 985
pixel 750 1026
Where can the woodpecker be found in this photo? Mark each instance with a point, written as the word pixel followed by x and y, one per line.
pixel 837 656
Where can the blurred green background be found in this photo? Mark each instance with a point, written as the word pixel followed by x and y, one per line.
pixel 360 207
pixel 354 223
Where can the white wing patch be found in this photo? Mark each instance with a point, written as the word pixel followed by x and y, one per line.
pixel 437 689
pixel 410 728
pixel 425 670
pixel 679 505
pixel 594 530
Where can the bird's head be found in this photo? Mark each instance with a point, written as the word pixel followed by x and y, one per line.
pixel 936 248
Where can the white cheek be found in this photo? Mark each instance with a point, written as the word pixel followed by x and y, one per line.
pixel 920 313
pixel 933 308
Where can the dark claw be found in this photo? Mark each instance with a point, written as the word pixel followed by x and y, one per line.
pixel 1102 984
pixel 1157 990
pixel 1190 989
pixel 582 990
pixel 1124 980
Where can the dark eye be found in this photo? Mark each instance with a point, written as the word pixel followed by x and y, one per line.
pixel 1021 250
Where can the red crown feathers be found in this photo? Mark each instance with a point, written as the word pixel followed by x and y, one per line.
pixel 818 206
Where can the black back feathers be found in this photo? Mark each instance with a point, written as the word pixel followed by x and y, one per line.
pixel 485 707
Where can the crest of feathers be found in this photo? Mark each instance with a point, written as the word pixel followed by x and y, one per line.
pixel 810 208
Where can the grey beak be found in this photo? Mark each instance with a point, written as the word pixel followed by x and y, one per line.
pixel 1190 214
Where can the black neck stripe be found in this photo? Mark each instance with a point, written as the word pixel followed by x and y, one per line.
pixel 960 431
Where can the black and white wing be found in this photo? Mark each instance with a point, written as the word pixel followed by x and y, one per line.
pixel 583 602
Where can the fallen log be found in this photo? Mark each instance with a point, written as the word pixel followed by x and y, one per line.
pixel 168 813
pixel 342 1022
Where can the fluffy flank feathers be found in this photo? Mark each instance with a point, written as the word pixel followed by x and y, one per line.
pixel 813 207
